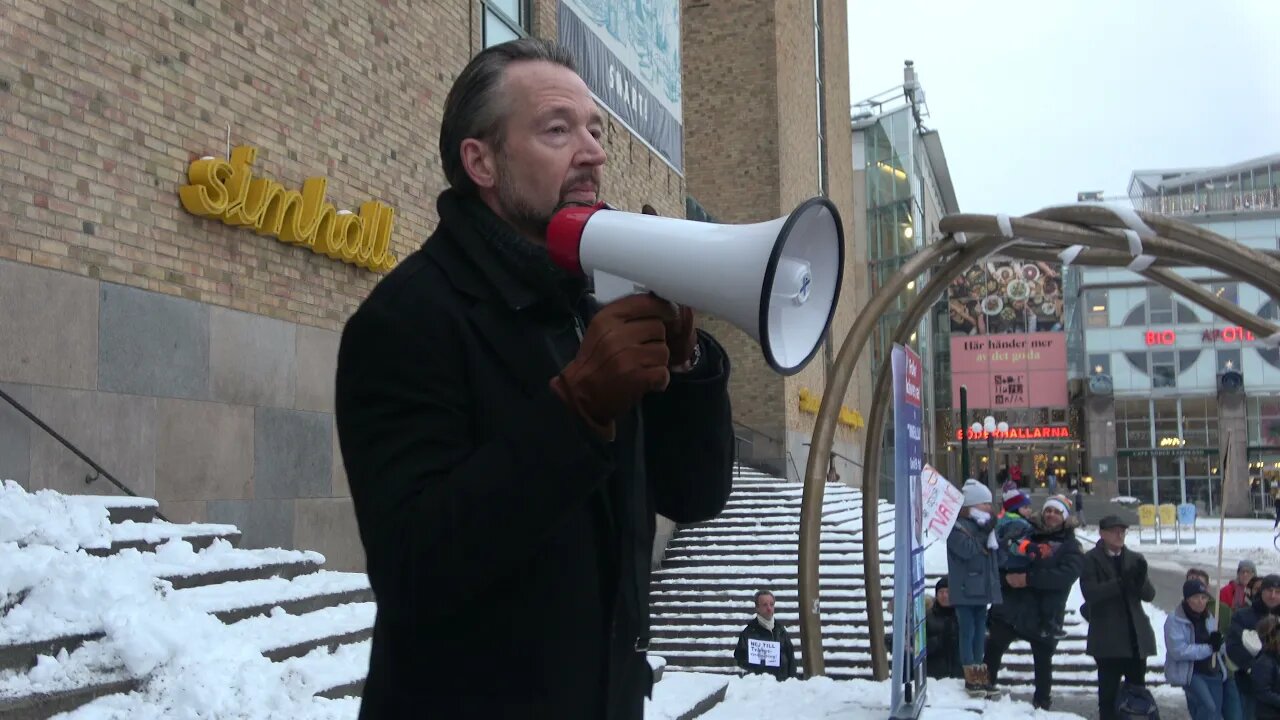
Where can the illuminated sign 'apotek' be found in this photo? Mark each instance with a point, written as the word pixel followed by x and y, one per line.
pixel 228 191
pixel 1042 432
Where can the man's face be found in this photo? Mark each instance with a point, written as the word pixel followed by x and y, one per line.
pixel 1114 538
pixel 1271 597
pixel 551 152
pixel 1052 518
pixel 944 597
pixel 764 606
pixel 1244 576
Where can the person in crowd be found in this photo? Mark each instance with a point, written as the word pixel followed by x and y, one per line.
pixel 1194 657
pixel 1042 590
pixel 507 440
pixel 1115 583
pixel 1255 586
pixel 1265 672
pixel 942 634
pixel 974 580
pixel 1275 501
pixel 1017 551
pixel 1217 608
pixel 1235 594
pixel 764 647
pixel 1243 643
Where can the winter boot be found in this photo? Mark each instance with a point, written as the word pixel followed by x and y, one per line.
pixel 984 681
pixel 972 684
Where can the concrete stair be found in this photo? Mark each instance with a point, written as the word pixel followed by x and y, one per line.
pixel 277 604
pixel 701 597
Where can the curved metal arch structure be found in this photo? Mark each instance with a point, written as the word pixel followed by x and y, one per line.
pixel 1092 235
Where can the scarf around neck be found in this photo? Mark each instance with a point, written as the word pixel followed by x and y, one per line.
pixel 766 624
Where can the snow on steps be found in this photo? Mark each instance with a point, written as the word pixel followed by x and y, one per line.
pixel 278 602
pixel 701 598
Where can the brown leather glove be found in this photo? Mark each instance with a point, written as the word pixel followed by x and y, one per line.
pixel 623 356
pixel 682 334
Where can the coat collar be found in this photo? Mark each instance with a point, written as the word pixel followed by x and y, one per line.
pixel 504 307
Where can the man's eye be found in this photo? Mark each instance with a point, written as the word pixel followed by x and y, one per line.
pixel 558 129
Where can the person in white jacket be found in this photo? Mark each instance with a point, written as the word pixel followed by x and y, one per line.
pixel 1195 660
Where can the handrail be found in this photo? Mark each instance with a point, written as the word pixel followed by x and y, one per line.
pixel 792 459
pixel 845 458
pixel 765 435
pixel 98 469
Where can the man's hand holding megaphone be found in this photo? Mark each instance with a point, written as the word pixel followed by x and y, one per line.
pixel 629 349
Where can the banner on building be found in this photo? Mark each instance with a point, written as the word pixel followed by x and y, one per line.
pixel 1007 341
pixel 629 55
pixel 908 690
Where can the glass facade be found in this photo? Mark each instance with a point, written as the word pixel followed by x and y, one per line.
pixel 1167 450
pixel 1251 187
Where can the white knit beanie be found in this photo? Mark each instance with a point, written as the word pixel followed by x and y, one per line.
pixel 975 493
pixel 1062 504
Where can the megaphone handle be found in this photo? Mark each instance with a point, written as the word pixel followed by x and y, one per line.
pixel 608 288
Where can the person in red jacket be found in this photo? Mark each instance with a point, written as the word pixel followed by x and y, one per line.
pixel 1235 594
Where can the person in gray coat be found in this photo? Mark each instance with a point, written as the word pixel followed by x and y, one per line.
pixel 1115 584
pixel 974 581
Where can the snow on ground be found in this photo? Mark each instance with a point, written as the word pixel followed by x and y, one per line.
pixel 764 698
pixel 196 665
pixel 1243 539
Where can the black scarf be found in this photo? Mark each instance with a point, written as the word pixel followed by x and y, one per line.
pixel 1200 630
pixel 522 258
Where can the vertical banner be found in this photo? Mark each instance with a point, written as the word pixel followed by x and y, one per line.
pixel 908 691
pixel 628 53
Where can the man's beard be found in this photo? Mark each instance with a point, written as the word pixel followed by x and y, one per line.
pixel 527 219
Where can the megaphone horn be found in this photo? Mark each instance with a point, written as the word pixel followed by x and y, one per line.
pixel 778 281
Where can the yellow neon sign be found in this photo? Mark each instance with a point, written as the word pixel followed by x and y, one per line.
pixel 810 403
pixel 227 191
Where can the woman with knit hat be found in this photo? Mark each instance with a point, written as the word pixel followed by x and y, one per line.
pixel 974 581
pixel 1195 659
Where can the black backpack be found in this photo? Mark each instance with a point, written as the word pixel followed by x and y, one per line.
pixel 1136 703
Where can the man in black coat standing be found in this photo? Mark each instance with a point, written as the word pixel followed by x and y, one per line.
pixel 1114 585
pixel 1038 597
pixel 507 442
pixel 764 647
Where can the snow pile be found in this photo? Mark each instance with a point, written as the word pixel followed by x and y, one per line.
pixel 45 517
pixel 678 693
pixel 194 665
pixel 821 698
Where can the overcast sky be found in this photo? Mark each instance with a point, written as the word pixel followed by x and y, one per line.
pixel 1038 100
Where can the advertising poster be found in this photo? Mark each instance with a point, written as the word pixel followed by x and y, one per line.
pixel 629 55
pixel 907 663
pixel 1007 341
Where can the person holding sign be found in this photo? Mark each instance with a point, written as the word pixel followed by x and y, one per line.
pixel 764 648
pixel 974 581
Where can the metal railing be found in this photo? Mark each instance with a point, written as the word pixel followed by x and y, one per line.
pixel 98 470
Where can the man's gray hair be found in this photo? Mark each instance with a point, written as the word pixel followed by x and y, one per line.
pixel 475 107
pixel 760 594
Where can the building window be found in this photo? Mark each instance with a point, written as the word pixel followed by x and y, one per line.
pixel 1160 306
pixel 1095 303
pixel 1229 360
pixel 1164 370
pixel 1100 364
pixel 1226 291
pixel 505 20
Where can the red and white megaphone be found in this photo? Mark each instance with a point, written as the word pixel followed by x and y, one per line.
pixel 777 281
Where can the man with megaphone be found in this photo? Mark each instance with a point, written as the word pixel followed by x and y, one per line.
pixel 507 440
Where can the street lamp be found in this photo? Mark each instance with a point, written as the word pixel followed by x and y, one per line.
pixel 991 427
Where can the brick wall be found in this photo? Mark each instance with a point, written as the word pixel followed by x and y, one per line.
pixel 752 143
pixel 106 103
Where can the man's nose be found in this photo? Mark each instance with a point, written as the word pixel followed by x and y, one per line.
pixel 591 153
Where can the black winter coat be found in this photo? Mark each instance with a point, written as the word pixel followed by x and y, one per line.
pixel 1241 620
pixel 1049 579
pixel 1265 685
pixel 508 547
pixel 942 637
pixel 1114 605
pixel 786 657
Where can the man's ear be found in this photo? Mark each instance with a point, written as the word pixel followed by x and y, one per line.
pixel 480 162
